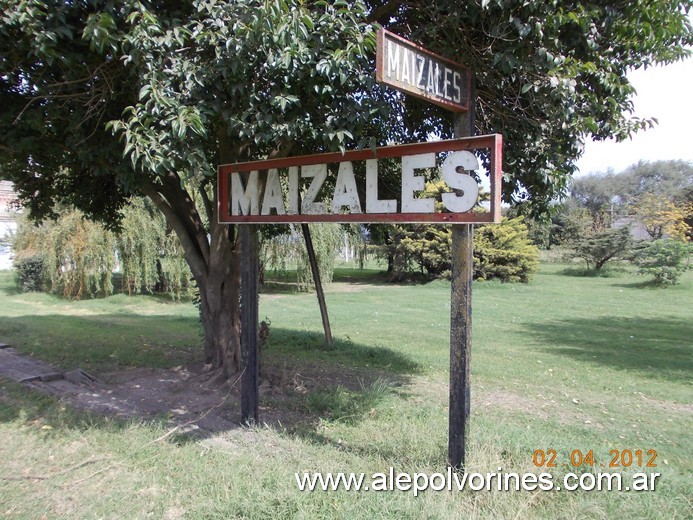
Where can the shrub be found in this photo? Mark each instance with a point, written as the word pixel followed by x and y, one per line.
pixel 596 249
pixel 504 252
pixel 665 260
pixel 151 257
pixel 420 247
pixel 77 256
pixel 30 272
pixel 327 239
pixel 501 251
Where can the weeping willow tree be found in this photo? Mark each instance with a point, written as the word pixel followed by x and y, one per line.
pixel 70 256
pixel 354 245
pixel 151 258
pixel 76 258
pixel 286 252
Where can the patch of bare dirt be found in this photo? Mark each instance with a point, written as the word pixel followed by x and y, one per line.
pixel 667 405
pixel 514 403
pixel 192 398
pixel 188 397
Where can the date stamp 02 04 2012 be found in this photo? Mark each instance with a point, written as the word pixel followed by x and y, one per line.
pixel 618 458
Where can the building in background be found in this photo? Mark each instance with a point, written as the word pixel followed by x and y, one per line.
pixel 8 222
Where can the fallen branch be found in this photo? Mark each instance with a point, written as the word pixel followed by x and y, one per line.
pixel 70 484
pixel 62 472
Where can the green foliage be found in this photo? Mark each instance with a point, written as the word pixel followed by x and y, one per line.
pixel 175 278
pixel 287 252
pixel 501 251
pixel 655 194
pixel 667 179
pixel 640 189
pixel 327 239
pixel 549 75
pixel 75 257
pixel 662 216
pixel 139 246
pixel 354 243
pixel 420 247
pixel 596 249
pixel 566 221
pixel 267 74
pixel 79 256
pixel 569 223
pixel 596 195
pixel 151 258
pixel 280 251
pixel 665 260
pixel 30 272
pixel 177 87
pixel 177 80
pixel 504 252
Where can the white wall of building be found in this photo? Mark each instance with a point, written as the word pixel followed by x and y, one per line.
pixel 8 225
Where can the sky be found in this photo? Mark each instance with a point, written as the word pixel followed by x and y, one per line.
pixel 665 94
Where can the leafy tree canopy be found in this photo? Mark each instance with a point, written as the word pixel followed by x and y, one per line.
pixel 549 74
pixel 597 249
pixel 177 80
pixel 667 179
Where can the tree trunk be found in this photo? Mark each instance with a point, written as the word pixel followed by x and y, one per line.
pixel 220 311
pixel 214 257
pixel 390 254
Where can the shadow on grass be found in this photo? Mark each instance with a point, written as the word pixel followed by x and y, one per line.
pixel 278 286
pixel 361 276
pixel 311 346
pixel 113 341
pixel 646 284
pixel 304 382
pixel 311 382
pixel 105 342
pixel 654 348
pixel 283 283
pixel 21 403
pixel 9 285
pixel 582 272
pixel 11 290
pixel 286 283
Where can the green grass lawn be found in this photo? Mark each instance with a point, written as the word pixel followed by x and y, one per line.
pixel 564 363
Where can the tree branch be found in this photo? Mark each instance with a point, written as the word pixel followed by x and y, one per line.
pixel 209 210
pixel 184 206
pixel 384 10
pixel 192 252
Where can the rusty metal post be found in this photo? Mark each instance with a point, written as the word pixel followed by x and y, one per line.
pixel 461 318
pixel 250 393
pixel 318 283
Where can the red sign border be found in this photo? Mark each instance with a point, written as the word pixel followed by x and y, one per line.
pixel 492 142
pixel 382 35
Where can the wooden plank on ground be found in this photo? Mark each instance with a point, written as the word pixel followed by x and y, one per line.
pixel 22 369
